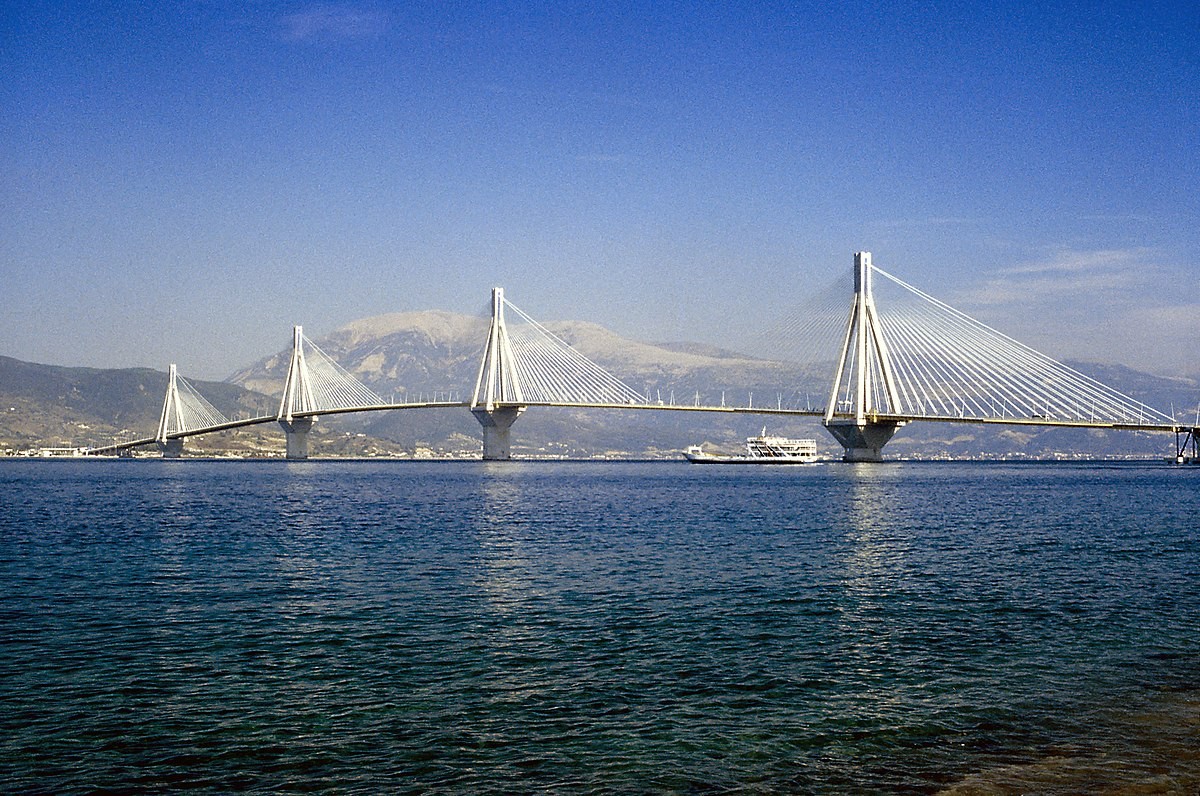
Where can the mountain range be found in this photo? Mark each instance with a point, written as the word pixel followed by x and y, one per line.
pixel 436 354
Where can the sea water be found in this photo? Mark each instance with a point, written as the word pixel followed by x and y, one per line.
pixel 470 627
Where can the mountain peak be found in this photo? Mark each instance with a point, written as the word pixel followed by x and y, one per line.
pixel 431 324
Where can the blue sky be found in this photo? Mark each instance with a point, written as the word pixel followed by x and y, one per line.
pixel 184 181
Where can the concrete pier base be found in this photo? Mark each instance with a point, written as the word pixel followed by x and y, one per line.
pixel 171 449
pixel 863 443
pixel 296 431
pixel 496 425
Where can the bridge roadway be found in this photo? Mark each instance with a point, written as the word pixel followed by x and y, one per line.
pixel 1192 431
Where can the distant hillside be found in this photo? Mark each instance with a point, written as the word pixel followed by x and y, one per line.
pixel 401 353
pixel 440 351
pixel 49 405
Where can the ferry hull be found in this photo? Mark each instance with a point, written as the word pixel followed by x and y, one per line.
pixel 762 449
pixel 710 458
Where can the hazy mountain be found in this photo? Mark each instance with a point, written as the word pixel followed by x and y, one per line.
pixel 423 352
pixel 437 354
pixel 401 352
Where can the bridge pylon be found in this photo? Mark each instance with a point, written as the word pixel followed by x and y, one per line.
pixel 169 420
pixel 297 397
pixel 185 411
pixel 496 402
pixel 863 383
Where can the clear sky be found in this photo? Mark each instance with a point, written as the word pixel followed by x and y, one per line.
pixel 183 181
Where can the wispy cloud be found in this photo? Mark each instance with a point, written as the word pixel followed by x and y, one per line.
pixel 333 21
pixel 929 221
pixel 1072 262
pixel 1085 274
pixel 1104 305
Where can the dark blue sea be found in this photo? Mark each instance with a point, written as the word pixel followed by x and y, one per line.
pixel 469 627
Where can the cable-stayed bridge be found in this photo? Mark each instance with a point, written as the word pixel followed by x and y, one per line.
pixel 907 359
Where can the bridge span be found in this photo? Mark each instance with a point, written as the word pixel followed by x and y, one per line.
pixel 914 359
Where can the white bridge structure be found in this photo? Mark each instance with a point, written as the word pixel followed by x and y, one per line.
pixel 914 359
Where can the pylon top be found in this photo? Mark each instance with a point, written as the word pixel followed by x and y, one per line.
pixel 862 272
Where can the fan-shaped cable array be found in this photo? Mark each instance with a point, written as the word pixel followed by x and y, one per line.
pixel 316 383
pixel 526 363
pixel 944 364
pixel 185 409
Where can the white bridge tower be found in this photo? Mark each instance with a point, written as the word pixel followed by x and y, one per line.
pixel 863 384
pixel 297 397
pixel 496 402
pixel 171 418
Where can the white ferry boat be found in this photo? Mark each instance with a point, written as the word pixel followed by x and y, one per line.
pixel 763 449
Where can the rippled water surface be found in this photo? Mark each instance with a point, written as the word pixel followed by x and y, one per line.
pixel 579 627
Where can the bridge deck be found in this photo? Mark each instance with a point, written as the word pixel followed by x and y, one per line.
pixel 663 407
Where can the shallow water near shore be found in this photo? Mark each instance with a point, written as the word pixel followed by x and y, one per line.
pixel 509 627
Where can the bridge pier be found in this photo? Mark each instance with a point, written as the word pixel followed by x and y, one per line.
pixel 1190 436
pixel 863 441
pixel 171 448
pixel 296 431
pixel 496 425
